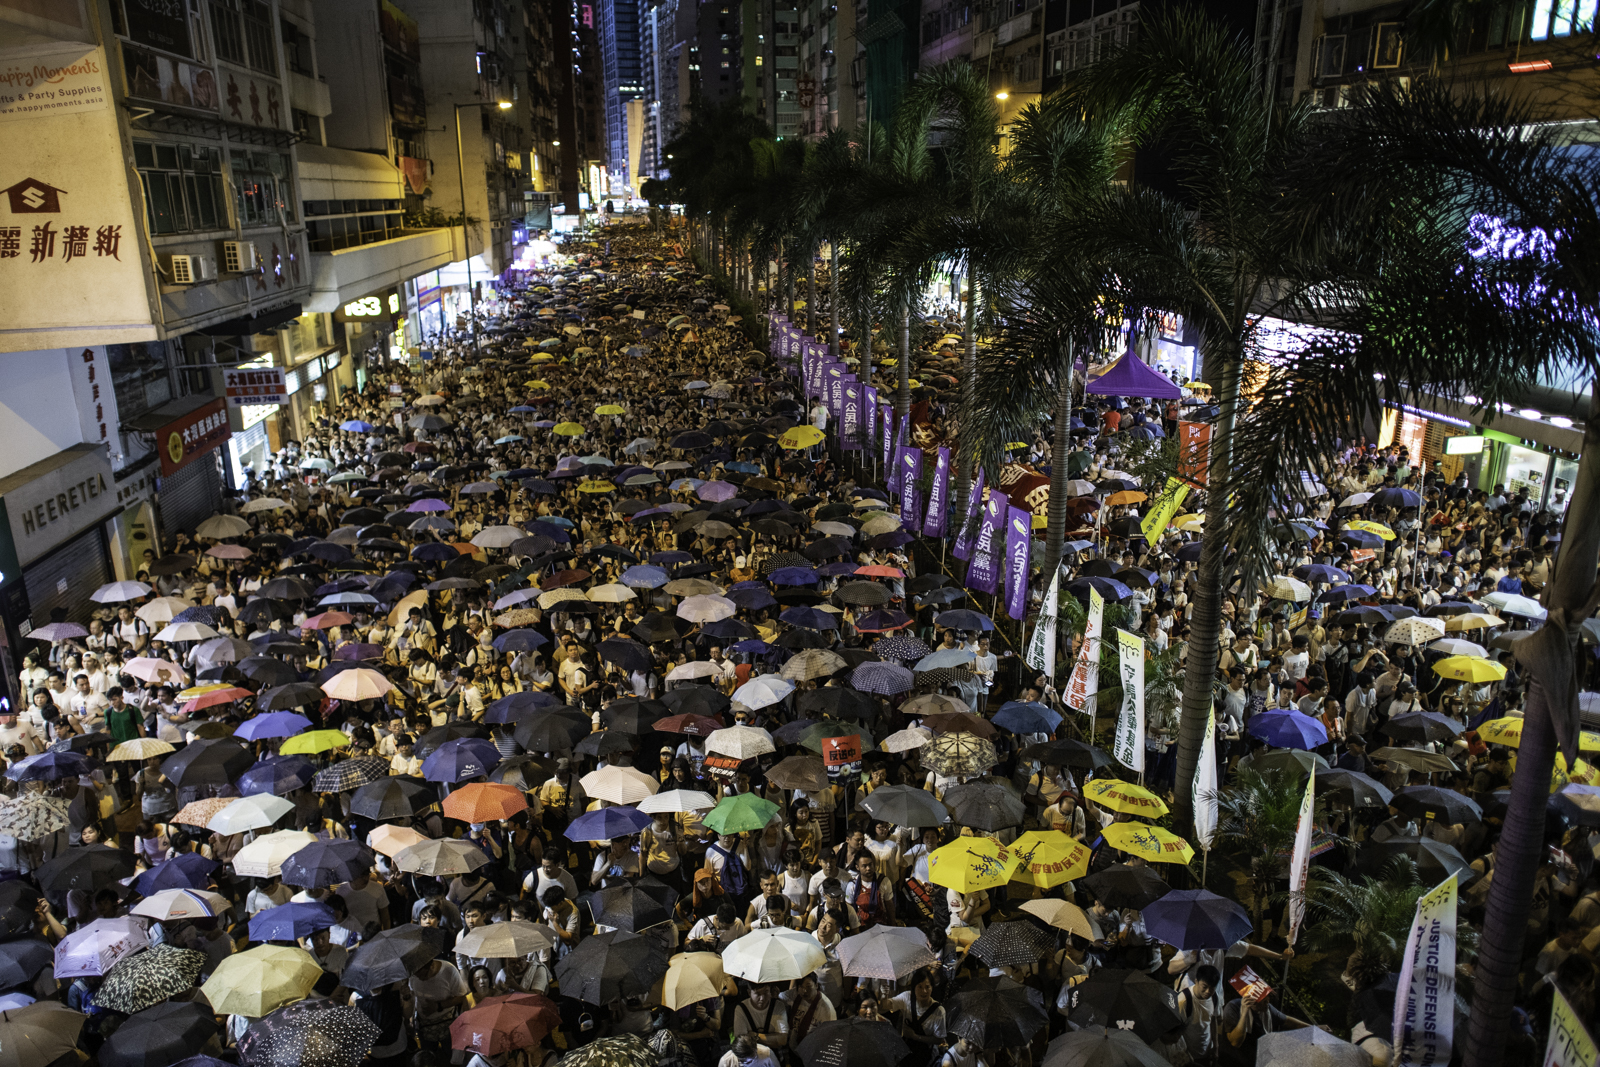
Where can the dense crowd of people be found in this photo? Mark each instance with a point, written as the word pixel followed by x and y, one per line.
pixel 565 699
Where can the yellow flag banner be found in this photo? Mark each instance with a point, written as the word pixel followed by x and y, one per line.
pixel 1570 1044
pixel 1166 507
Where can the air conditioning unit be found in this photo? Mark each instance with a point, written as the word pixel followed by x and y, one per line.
pixel 191 270
pixel 239 257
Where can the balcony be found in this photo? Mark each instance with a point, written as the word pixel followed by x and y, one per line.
pixel 309 95
pixel 350 273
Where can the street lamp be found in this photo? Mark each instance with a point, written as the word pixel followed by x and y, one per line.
pixel 466 251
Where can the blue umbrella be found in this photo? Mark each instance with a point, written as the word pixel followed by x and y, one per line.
pixel 1320 572
pixel 1396 498
pixel 727 628
pixel 1189 919
pixel 272 724
pixel 356 426
pixel 671 558
pixel 187 870
pixel 323 864
pixel 328 551
pixel 1189 552
pixel 753 647
pixel 837 569
pixel 964 619
pixel 1340 593
pixel 1026 717
pixel 644 576
pixel 1362 538
pixel 460 759
pixel 811 618
pixel 793 576
pixel 520 641
pixel 291 921
pixel 1288 729
pixel 49 767
pixel 517 706
pixel 1109 588
pixel 277 775
pixel 744 467
pixel 752 599
pixel 603 824
pixel 434 552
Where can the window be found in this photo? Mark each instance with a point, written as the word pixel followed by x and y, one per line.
pixel 139 376
pixel 335 224
pixel 182 187
pixel 243 33
pixel 1561 18
pixel 296 48
pixel 261 188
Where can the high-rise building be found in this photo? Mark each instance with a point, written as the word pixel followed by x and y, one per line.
pixel 622 75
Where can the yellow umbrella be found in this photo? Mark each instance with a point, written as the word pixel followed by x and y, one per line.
pixel 1126 797
pixel 596 485
pixel 201 690
pixel 402 608
pixel 1371 527
pixel 1064 916
pixel 969 864
pixel 800 437
pixel 1049 858
pixel 1508 732
pixel 1150 843
pixel 140 748
pixel 537 383
pixel 314 741
pixel 610 409
pixel 1469 669
pixel 1472 620
pixel 261 980
pixel 568 429
pixel 691 978
pixel 1016 444
pixel 541 357
pixel 1039 522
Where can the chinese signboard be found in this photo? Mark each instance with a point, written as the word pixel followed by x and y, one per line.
pixel 69 254
pixel 1194 452
pixel 186 439
pixel 255 385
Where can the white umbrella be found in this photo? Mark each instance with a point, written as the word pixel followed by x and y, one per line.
pixel 223 526
pixel 687 672
pixel 254 812
pixel 740 742
pixel 263 857
pixel 170 904
pixel 116 592
pixel 611 594
pixel 619 785
pixel 706 608
pixel 94 948
pixel 498 536
pixel 1455 646
pixel 505 940
pixel 160 611
pixel 186 631
pixel 150 669
pixel 262 503
pixel 361 683
pixel 223 650
pixel 775 954
pixel 763 692
pixel 906 740
pixel 1079 487
pixel 677 801
pixel 1417 630
pixel 439 857
pixel 1284 587
pixel 1512 604
pixel 1355 500
pixel 431 400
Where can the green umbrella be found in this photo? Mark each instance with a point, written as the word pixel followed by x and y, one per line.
pixel 737 814
pixel 813 735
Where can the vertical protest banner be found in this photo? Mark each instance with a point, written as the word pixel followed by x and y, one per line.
pixel 1425 993
pixel 887 425
pixel 1083 687
pixel 1569 1043
pixel 1204 797
pixel 850 418
pixel 1300 858
pixel 983 574
pixel 1041 651
pixel 910 464
pixel 964 531
pixel 1128 745
pixel 1019 539
pixel 1194 452
pixel 869 413
pixel 933 523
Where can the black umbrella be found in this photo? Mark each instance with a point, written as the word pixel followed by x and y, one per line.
pixel 1422 726
pixel 696 700
pixel 293 695
pixel 1019 943
pixel 657 626
pixel 634 716
pixel 524 772
pixel 853 1042
pixel 1070 753
pixel 284 589
pixel 87 867
pixel 159 1036
pixel 1126 1000
pixel 392 955
pixel 327 863
pixel 837 702
pixel 627 654
pixel 1365 792
pixel 605 743
pixel 1445 805
pixel 395 797
pixel 550 731
pixel 212 761
pixel 264 612
pixel 21 961
pixel 309 1033
pixel 632 907
pixel 264 670
pixel 995 1012
pixel 905 805
pixel 610 966
pixel 1121 886
pixel 1435 861
pixel 985 805
pixel 1100 1046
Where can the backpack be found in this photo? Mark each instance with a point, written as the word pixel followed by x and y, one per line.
pixel 735 875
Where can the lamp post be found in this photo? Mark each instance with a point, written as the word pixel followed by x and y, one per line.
pixel 466 251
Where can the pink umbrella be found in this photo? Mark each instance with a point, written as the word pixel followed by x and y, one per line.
pixel 715 491
pixel 229 552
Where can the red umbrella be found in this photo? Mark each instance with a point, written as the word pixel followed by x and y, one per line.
pixel 500 1024
pixel 561 578
pixel 215 697
pixel 878 570
pixel 327 621
pixel 698 725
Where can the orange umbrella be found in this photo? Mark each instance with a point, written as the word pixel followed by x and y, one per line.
pixel 1126 496
pixel 878 570
pixel 215 697
pixel 484 802
pixel 327 621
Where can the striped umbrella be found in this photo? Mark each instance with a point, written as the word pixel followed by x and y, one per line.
pixel 884 679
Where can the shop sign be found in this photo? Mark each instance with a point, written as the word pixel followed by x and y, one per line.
pixel 1464 445
pixel 186 439
pixel 250 386
pixel 252 101
pixel 58 498
pixel 136 488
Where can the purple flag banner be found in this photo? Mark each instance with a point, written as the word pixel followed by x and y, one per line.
pixel 887 426
pixel 963 545
pixel 933 523
pixel 910 464
pixel 983 575
pixel 1019 537
pixel 833 377
pixel 813 377
pixel 869 410
pixel 850 420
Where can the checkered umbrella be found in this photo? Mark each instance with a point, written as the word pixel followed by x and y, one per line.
pixel 885 679
pixel 782 560
pixel 813 663
pixel 350 774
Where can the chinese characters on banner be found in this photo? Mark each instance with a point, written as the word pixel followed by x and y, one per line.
pixel 983 575
pixel 934 522
pixel 1128 745
pixel 1083 687
pixel 191 436
pixel 910 465
pixel 964 531
pixel 850 418
pixel 255 385
pixel 97 400
pixel 1019 536
pixel 1194 451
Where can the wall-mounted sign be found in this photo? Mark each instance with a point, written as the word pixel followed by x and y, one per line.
pixel 251 386
pixel 58 498
pixel 186 439
pixel 1464 445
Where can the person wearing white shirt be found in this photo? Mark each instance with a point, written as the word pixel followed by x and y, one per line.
pixel 86 706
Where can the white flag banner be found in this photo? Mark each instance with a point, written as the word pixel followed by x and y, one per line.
pixel 1041 654
pixel 1204 800
pixel 1084 685
pixel 1300 861
pixel 1425 994
pixel 1128 746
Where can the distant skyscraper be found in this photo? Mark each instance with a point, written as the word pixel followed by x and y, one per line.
pixel 622 78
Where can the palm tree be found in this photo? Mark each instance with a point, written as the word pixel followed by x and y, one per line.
pixel 1258 814
pixel 1368 918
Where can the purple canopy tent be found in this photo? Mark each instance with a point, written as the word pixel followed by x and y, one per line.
pixel 1130 376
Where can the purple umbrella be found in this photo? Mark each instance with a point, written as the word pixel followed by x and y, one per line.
pixel 428 504
pixel 356 651
pixel 57 631
pixel 715 491
pixel 458 760
pixel 793 576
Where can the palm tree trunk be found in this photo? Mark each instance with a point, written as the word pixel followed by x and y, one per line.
pixel 969 376
pixel 811 291
pixel 902 400
pixel 1060 448
pixel 1205 623
pixel 1522 838
pixel 833 298
pixel 788 280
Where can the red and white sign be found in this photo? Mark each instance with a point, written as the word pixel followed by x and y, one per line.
pixel 186 439
pixel 255 385
pixel 1194 451
pixel 841 751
